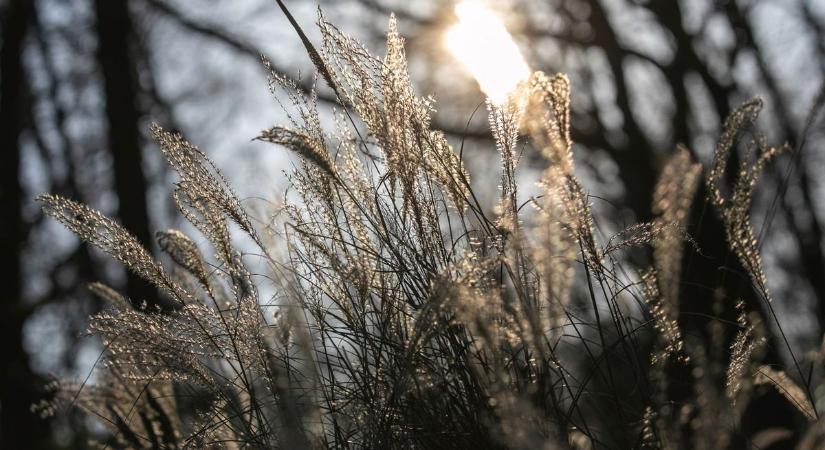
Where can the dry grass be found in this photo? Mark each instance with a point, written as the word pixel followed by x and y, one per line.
pixel 408 315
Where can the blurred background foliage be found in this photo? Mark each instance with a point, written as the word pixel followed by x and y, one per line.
pixel 80 80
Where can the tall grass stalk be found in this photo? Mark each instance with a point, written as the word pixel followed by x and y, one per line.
pixel 407 313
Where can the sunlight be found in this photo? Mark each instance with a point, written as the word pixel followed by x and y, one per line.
pixel 481 43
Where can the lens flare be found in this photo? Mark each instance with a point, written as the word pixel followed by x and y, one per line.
pixel 481 43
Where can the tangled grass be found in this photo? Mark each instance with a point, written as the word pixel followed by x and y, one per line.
pixel 409 316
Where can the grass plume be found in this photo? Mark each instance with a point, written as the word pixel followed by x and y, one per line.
pixel 406 313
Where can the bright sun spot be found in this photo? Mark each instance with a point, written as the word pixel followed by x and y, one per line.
pixel 481 43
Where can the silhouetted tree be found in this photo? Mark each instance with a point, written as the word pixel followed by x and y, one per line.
pixel 20 386
pixel 116 43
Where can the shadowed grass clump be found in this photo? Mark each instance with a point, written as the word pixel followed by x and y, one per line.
pixel 407 314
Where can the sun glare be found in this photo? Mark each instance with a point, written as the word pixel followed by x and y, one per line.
pixel 481 43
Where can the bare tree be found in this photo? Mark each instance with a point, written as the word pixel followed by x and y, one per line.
pixel 20 427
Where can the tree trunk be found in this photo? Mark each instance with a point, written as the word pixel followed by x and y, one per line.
pixel 114 28
pixel 20 387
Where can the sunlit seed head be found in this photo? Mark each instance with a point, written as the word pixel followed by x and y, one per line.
pixel 481 43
